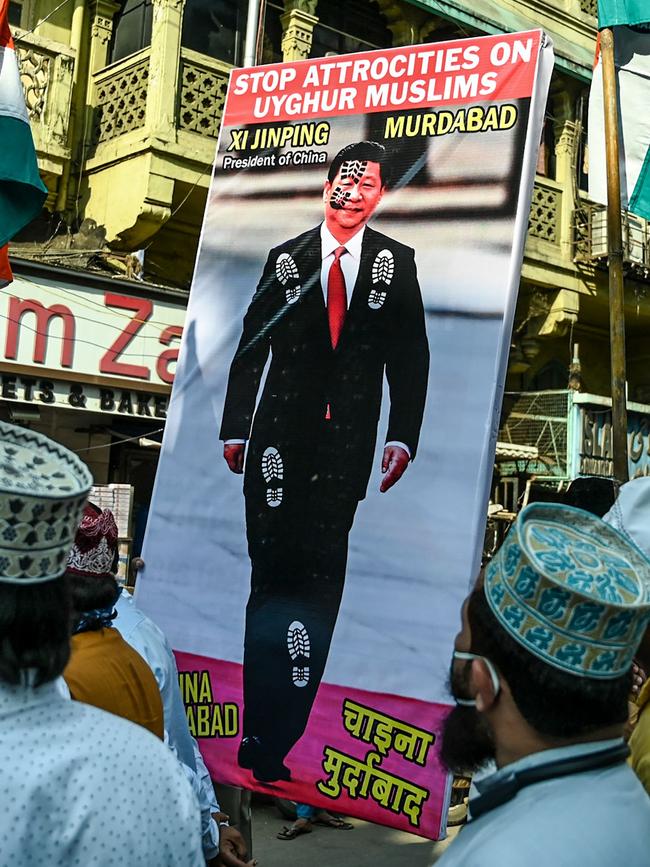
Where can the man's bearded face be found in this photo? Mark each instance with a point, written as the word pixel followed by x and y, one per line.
pixel 351 198
pixel 467 741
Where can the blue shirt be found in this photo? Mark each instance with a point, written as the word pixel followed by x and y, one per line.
pixel 149 640
pixel 598 818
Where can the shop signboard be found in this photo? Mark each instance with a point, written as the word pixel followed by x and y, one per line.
pixel 591 426
pixel 320 500
pixel 70 331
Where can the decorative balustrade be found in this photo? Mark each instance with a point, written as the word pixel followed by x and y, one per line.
pixel 46 70
pixel 545 210
pixel 589 7
pixel 202 93
pixel 121 97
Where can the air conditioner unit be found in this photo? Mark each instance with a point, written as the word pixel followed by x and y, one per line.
pixel 598 233
pixel 634 239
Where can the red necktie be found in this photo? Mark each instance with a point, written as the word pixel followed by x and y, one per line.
pixel 337 302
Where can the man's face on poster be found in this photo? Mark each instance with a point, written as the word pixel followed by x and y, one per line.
pixel 351 198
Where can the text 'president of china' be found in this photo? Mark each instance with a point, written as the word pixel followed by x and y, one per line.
pixel 338 306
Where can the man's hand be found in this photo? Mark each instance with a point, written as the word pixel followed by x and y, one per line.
pixel 232 848
pixel 234 456
pixel 393 464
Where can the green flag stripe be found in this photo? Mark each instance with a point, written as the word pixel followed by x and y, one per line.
pixel 22 192
pixel 631 12
pixel 640 198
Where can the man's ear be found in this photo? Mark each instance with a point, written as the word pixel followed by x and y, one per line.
pixel 482 682
pixel 327 188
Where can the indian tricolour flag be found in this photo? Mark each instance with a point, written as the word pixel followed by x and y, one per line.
pixel 22 192
pixel 631 22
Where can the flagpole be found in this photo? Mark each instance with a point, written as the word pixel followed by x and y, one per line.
pixel 615 256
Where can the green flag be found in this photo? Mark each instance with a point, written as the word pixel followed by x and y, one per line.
pixel 630 12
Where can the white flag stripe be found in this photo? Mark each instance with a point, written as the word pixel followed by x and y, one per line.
pixel 632 57
pixel 12 100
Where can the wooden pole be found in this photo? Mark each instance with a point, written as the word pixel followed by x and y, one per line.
pixel 615 255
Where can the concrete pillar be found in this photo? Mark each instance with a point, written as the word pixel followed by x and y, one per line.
pixel 298 24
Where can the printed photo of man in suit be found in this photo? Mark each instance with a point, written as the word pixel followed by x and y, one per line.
pixel 337 308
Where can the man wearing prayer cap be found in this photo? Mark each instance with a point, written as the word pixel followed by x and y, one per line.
pixel 630 514
pixel 81 786
pixel 104 670
pixel 540 674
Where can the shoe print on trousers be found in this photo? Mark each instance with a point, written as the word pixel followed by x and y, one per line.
pixel 273 474
pixel 299 648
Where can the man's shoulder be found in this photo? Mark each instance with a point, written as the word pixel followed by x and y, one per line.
pixel 137 745
pixel 380 241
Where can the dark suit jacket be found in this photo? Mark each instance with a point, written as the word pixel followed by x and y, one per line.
pixel 384 330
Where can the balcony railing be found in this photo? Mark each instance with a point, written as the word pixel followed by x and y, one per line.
pixel 202 93
pixel 121 97
pixel 46 70
pixel 545 211
pixel 590 239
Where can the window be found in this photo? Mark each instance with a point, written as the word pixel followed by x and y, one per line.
pixel 132 28
pixel 356 25
pixel 216 28
pixel 15 12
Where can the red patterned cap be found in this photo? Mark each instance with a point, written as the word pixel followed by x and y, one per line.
pixel 95 544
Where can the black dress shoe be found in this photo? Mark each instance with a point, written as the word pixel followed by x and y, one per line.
pixel 265 768
pixel 249 752
pixel 270 771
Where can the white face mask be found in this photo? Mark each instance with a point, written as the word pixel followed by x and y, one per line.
pixel 471 702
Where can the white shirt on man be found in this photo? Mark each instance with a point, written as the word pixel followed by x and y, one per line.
pixel 82 786
pixel 597 818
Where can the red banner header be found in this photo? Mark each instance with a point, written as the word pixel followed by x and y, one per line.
pixel 489 68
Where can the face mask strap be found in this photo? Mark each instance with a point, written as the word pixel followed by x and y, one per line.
pixel 496 685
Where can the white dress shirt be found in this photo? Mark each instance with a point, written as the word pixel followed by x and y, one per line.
pixel 82 786
pixel 350 262
pixel 150 642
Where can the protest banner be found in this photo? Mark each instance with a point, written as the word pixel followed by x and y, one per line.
pixel 354 374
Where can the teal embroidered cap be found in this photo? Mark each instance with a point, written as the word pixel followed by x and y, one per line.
pixel 571 589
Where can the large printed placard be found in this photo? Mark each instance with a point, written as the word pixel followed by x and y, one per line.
pixel 320 499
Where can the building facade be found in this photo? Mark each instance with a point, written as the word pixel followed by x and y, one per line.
pixel 125 100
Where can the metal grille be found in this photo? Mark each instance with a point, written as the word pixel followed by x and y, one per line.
pixel 590 238
pixel 540 419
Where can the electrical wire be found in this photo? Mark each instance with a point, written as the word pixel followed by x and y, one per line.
pixel 47 335
pixel 118 442
pixel 43 20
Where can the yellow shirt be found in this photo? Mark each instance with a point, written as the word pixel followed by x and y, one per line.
pixel 640 739
pixel 106 672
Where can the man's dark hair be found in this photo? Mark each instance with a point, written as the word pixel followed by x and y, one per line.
pixel 594 494
pixel 88 592
pixel 362 150
pixel 555 703
pixel 34 630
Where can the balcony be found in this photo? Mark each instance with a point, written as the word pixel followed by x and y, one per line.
pixel 590 239
pixel 155 124
pixel 46 72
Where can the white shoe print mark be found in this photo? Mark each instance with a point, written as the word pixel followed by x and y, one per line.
pixel 272 466
pixel 300 676
pixel 298 640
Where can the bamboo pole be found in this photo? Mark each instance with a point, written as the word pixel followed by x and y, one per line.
pixel 615 255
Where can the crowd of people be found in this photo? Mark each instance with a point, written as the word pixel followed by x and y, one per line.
pixel 101 766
